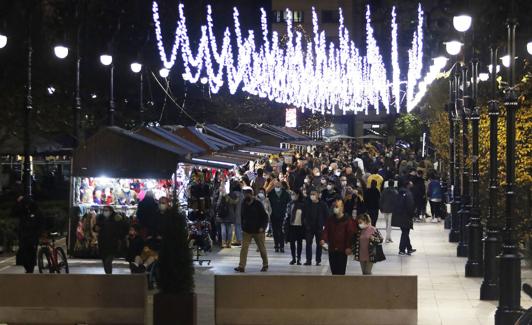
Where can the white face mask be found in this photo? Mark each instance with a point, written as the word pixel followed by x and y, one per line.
pixel 344 183
pixel 261 196
pixel 362 225
pixel 317 174
pixel 294 197
pixel 329 187
pixel 337 173
pixel 337 212
pixel 163 207
pixel 323 181
pixel 314 197
pixel 107 214
pixel 307 180
pixel 277 189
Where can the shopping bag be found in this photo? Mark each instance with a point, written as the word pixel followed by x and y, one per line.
pixel 428 211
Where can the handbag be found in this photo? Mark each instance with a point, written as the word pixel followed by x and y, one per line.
pixel 379 254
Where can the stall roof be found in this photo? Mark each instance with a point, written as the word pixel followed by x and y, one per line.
pixel 230 135
pixel 263 150
pixel 160 134
pixel 40 145
pixel 225 160
pixel 115 152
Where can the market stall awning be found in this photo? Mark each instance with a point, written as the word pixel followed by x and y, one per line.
pixel 115 152
pixel 305 143
pixel 230 135
pixel 225 161
pixel 162 135
pixel 267 150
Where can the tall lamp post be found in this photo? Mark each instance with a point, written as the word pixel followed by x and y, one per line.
pixel 474 266
pixel 27 118
pixel 462 23
pixel 107 60
pixel 453 48
pixel 509 309
pixel 489 290
pixel 137 68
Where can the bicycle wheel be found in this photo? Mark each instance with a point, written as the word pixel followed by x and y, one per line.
pixel 62 262
pixel 44 260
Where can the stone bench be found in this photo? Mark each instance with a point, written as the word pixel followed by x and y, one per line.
pixel 307 299
pixel 72 299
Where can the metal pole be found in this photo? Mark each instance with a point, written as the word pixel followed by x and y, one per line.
pixel 465 207
pixel 474 265
pixel 489 290
pixel 509 309
pixel 76 108
pixel 455 230
pixel 141 93
pixel 455 204
pixel 27 119
pixel 112 98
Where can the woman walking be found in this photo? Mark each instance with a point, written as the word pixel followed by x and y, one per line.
pixel 403 217
pixel 372 197
pixel 367 237
pixel 338 235
pixel 294 226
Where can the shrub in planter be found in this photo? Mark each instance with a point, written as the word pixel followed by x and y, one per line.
pixel 176 301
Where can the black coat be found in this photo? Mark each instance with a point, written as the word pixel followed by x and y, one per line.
pixel 111 233
pixel 403 212
pixel 278 203
pixel 315 215
pixel 31 221
pixel 148 215
pixel 254 217
pixel 134 249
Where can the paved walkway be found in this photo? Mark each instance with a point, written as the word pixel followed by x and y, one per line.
pixel 445 296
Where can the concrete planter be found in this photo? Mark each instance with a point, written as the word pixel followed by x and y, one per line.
pixel 175 309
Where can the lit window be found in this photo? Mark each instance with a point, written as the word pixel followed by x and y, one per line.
pixel 281 16
pixel 297 16
pixel 330 16
pixel 277 16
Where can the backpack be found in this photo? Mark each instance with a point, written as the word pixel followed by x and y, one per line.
pixel 435 190
pixel 223 210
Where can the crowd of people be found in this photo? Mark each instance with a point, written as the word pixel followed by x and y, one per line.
pixel 330 198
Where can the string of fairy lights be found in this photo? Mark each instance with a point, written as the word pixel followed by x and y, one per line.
pixel 306 73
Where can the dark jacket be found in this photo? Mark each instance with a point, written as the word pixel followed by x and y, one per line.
pixel 329 196
pixel 315 216
pixel 371 198
pixel 293 232
pixel 148 215
pixel 388 198
pixel 338 233
pixel 254 217
pixel 31 221
pixel 403 212
pixel 278 203
pixel 111 233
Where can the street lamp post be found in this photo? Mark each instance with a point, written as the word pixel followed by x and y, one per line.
pixel 474 266
pixel 457 198
pixel 509 309
pixel 107 60
pixel 489 290
pixel 465 110
pixel 455 230
pixel 137 68
pixel 26 178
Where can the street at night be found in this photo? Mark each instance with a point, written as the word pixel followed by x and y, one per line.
pixel 265 162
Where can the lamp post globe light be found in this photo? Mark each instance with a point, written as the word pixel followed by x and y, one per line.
pixel 528 47
pixel 136 67
pixel 3 41
pixel 453 47
pixel 107 60
pixel 506 61
pixel 483 76
pixel 497 69
pixel 462 23
pixel 61 51
pixel 164 72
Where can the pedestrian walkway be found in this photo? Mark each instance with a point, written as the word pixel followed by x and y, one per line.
pixel 445 295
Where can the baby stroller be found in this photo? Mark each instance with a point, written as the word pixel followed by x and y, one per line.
pixel 199 238
pixel 148 262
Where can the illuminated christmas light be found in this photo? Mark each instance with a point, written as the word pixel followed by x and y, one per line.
pixel 310 75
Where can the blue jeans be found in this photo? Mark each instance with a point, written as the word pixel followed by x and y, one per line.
pixel 226 231
pixel 238 232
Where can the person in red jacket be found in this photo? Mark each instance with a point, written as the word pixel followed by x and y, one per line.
pixel 338 234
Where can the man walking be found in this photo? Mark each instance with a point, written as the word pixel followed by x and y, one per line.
pixel 279 199
pixel 30 229
pixel 315 216
pixel 254 222
pixel 387 203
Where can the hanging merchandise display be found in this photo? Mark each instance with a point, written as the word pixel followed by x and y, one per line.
pixel 310 75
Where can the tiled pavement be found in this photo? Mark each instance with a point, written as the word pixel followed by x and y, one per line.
pixel 445 296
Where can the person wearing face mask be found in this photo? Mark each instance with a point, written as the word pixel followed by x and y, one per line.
pixel 386 205
pixel 294 226
pixel 316 212
pixel 343 186
pixel 111 230
pixel 329 194
pixel 338 235
pixel 316 179
pixel 366 237
pixel 279 199
pixel 148 214
pixel 254 222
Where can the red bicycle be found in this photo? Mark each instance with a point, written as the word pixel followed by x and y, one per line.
pixel 51 258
